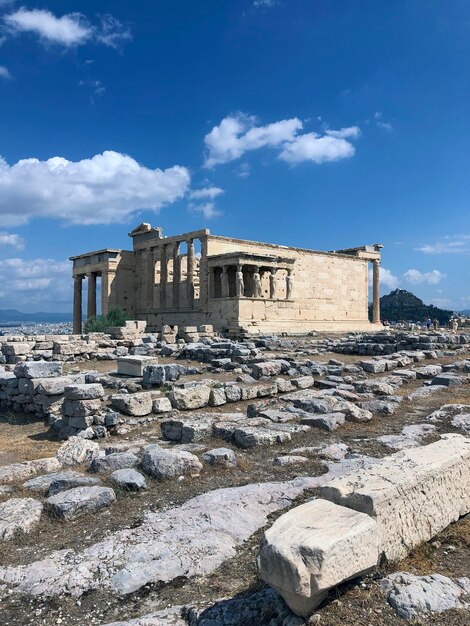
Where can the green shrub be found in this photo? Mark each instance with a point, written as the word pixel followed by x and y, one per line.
pixel 116 317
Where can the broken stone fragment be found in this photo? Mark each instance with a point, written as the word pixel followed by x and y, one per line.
pixel 79 501
pixel 164 464
pixel 314 547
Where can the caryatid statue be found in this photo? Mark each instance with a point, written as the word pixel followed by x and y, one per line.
pixel 224 283
pixel 272 284
pixel 289 285
pixel 240 285
pixel 257 290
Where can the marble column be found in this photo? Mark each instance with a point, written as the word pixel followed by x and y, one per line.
pixel 224 282
pixel 77 305
pixel 91 305
pixel 107 278
pixel 376 291
pixel 190 273
pixel 163 276
pixel 176 276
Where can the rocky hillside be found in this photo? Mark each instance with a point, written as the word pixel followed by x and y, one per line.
pixel 404 305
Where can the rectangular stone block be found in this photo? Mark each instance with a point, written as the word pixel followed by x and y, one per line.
pixel 38 369
pixel 134 365
pixel 314 547
pixel 413 495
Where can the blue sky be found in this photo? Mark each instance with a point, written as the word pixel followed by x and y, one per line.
pixel 321 124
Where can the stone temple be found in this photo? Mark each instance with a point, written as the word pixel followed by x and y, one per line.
pixel 237 286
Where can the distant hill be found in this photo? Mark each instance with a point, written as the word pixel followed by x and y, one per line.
pixel 11 315
pixel 465 312
pixel 404 305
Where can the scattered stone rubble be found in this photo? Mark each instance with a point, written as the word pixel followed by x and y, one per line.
pixel 271 392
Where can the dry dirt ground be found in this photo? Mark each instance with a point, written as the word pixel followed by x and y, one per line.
pixel 358 603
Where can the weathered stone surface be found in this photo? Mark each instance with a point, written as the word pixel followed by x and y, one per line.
pixel 19 515
pixel 52 386
pixel 217 396
pixel 91 391
pixel 314 547
pixel 410 436
pixel 325 421
pixel 413 494
pixel 81 408
pixel 137 404
pixel 134 365
pixel 203 533
pixel 79 501
pixel 334 452
pixel 22 471
pixel 114 461
pixel 191 398
pixel 428 371
pixel 425 392
pixel 289 459
pixel 166 617
pixel 162 463
pixel 50 484
pixel 220 457
pixel 448 380
pixel 161 405
pixel 77 450
pixel 38 369
pixel 187 429
pixel 373 367
pixel 416 596
pixel 252 436
pixel 269 368
pixel 129 479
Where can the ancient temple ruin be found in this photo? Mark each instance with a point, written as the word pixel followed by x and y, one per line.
pixel 235 285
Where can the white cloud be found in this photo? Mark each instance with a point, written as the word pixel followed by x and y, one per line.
pixel 112 33
pixel 4 72
pixel 455 244
pixel 207 209
pixel 386 278
pixel 238 134
pixel 313 147
pixel 441 302
pixel 9 239
pixel 207 192
pixel 35 283
pixel 244 170
pixel 415 277
pixel 107 188
pixel 70 30
pixel 379 121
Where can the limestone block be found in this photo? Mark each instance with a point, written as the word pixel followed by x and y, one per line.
pixel 325 421
pixel 270 368
pixel 113 461
pixel 164 464
pixel 129 479
pixel 217 396
pixel 52 386
pixel 191 398
pixel 251 437
pixel 80 408
pixel 314 547
pixel 92 391
pixel 79 501
pixel 153 375
pixel 50 484
pixel 220 457
pixel 23 471
pixel 38 369
pixel 17 348
pixel 448 380
pixel 374 367
pixel 19 515
pixel 187 430
pixel 161 405
pixel 134 365
pixel 137 404
pixel 413 494
pixel 77 450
